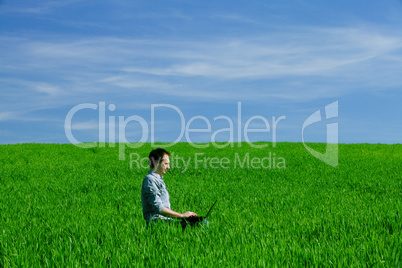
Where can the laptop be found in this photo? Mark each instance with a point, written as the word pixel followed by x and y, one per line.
pixel 193 220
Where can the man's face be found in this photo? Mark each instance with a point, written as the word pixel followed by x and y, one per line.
pixel 163 166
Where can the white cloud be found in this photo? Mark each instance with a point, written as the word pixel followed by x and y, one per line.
pixel 89 125
pixel 6 116
pixel 24 115
pixel 37 7
pixel 48 89
pixel 293 64
pixel 307 53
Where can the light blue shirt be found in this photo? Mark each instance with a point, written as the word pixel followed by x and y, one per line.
pixel 154 197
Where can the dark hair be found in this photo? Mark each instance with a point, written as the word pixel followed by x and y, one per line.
pixel 155 156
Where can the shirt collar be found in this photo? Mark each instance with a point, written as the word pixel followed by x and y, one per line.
pixel 155 174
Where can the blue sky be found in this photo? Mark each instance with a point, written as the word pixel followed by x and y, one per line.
pixel 204 62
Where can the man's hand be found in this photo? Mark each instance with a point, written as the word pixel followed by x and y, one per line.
pixel 189 214
pixel 171 213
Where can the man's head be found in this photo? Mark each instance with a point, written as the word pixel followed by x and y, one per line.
pixel 159 160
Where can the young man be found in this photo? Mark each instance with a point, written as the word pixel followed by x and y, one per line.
pixel 154 195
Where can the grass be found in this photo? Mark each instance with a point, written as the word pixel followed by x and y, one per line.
pixel 61 205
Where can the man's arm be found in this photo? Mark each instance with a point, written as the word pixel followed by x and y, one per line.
pixel 171 213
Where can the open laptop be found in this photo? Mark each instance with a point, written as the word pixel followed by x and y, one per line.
pixel 193 220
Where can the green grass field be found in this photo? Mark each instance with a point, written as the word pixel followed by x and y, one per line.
pixel 64 206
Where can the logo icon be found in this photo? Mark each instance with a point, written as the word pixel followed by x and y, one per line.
pixel 330 156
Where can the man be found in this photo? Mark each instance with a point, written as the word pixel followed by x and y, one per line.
pixel 154 195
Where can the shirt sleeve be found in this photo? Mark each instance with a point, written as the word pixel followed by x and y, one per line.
pixel 153 195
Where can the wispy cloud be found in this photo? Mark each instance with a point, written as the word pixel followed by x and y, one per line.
pixel 312 52
pixel 294 64
pixel 37 7
pixel 6 116
pixel 89 125
pixel 24 116
pixel 48 89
